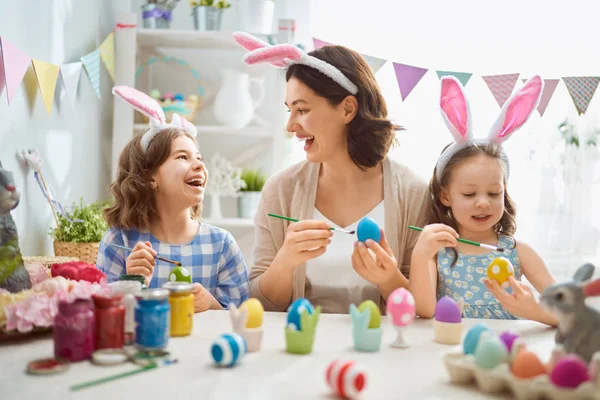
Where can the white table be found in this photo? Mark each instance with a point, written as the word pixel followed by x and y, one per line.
pixel 413 373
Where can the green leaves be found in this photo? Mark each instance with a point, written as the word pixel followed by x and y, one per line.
pixel 90 230
pixel 254 179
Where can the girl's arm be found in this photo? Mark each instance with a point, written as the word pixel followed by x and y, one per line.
pixel 422 284
pixel 534 268
pixel 232 279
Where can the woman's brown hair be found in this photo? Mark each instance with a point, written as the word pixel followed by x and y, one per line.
pixel 370 134
pixel 134 202
pixel 441 214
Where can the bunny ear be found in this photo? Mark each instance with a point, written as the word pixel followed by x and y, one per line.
pixel 248 41
pixel 517 110
pixel 141 102
pixel 275 55
pixel 592 288
pixel 183 123
pixel 455 109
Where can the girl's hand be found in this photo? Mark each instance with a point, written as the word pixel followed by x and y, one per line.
pixel 433 238
pixel 203 300
pixel 141 261
pixel 304 241
pixel 379 270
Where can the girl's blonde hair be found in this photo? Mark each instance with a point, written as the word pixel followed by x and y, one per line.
pixel 134 201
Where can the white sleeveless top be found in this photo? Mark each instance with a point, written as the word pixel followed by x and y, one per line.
pixel 332 283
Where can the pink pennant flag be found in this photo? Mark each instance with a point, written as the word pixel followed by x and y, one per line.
pixel 319 43
pixel 549 88
pixel 582 89
pixel 501 86
pixel 408 77
pixel 15 64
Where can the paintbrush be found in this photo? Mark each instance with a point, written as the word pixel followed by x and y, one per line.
pixel 157 257
pixel 296 220
pixel 467 241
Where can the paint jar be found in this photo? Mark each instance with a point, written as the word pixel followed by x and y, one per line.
pixel 74 330
pixel 129 289
pixel 138 278
pixel 181 300
pixel 110 321
pixel 152 319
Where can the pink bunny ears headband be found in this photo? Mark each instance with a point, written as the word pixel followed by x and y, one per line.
pixel 456 114
pixel 150 108
pixel 285 55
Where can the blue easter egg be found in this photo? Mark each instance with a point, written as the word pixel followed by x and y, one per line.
pixel 295 310
pixel 368 229
pixel 491 351
pixel 472 337
pixel 228 349
pixel 178 97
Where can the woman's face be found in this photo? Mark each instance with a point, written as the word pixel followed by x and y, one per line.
pixel 320 125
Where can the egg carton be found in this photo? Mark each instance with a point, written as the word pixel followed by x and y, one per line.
pixel 463 370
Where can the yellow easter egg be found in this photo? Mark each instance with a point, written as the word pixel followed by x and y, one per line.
pixel 500 269
pixel 255 312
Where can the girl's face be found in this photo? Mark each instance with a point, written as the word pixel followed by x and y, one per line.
pixel 475 194
pixel 180 181
pixel 315 121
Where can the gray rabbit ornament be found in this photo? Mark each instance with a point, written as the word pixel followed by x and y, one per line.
pixel 578 323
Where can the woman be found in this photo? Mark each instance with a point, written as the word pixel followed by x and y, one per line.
pixel 336 107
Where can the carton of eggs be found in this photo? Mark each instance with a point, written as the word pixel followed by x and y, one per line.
pixel 228 349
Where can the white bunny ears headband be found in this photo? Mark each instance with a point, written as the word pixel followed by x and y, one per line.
pixel 150 108
pixel 456 114
pixel 285 55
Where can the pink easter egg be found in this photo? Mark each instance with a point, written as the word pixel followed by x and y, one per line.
pixel 401 306
pixel 346 378
pixel 169 96
pixel 569 372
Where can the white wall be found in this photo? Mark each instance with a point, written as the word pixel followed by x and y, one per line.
pixel 74 142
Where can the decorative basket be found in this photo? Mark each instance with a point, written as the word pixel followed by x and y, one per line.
pixel 187 108
pixel 47 261
pixel 86 252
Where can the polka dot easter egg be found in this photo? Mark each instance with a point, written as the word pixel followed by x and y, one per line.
pixel 228 349
pixel 375 321
pixel 255 312
pixel 368 229
pixel 295 310
pixel 401 306
pixel 180 274
pixel 346 378
pixel 499 270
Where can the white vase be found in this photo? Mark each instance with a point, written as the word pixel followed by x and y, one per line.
pixel 256 16
pixel 234 104
pixel 215 207
pixel 248 204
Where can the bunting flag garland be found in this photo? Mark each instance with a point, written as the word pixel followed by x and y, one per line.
pixel 549 88
pixel 317 43
pixel 91 63
pixel 582 89
pixel 70 74
pixel 47 75
pixel 374 62
pixel 408 77
pixel 501 86
pixel 15 65
pixel 463 77
pixel 107 54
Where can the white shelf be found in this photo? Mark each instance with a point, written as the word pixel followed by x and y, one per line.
pixel 219 130
pixel 188 39
pixel 228 223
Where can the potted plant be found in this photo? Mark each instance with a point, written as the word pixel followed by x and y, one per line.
pixel 80 236
pixel 248 202
pixel 256 16
pixel 208 14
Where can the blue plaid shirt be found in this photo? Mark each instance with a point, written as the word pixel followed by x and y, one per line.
pixel 212 257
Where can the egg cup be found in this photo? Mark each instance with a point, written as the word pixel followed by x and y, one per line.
pixel 365 339
pixel 301 342
pixel 447 332
pixel 253 336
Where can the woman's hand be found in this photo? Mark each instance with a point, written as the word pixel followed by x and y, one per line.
pixel 141 261
pixel 304 241
pixel 433 238
pixel 379 270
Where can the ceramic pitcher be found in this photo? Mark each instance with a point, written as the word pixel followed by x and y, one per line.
pixel 234 104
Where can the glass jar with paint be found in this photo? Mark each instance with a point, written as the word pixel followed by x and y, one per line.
pixel 152 314
pixel 110 321
pixel 138 278
pixel 181 300
pixel 74 330
pixel 129 289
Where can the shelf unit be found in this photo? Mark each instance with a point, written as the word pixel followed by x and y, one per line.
pixel 268 136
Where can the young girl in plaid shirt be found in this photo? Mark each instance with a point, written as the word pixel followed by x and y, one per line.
pixel 158 195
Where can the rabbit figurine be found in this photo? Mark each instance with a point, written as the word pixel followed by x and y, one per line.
pixel 578 323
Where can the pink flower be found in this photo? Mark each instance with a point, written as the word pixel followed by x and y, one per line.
pixel 91 274
pixel 37 272
pixel 37 310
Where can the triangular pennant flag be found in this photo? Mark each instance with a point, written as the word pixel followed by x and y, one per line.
pixel 501 86
pixel 70 74
pixel 107 53
pixel 15 65
pixel 463 77
pixel 91 62
pixel 549 88
pixel 319 43
pixel 408 77
pixel 374 62
pixel 582 89
pixel 46 75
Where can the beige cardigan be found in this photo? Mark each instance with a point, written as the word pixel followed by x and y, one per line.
pixel 292 193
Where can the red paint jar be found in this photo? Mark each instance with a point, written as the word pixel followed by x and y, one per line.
pixel 74 330
pixel 110 321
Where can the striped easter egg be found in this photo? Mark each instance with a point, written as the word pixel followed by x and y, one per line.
pixel 346 378
pixel 228 349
